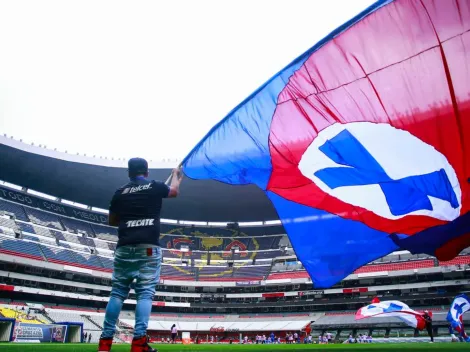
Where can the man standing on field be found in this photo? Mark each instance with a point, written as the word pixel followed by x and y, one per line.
pixel 135 209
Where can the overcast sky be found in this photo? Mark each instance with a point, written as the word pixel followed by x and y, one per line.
pixel 147 78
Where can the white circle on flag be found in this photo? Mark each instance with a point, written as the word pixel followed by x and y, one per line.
pixel 398 152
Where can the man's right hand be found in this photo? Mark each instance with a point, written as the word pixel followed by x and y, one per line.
pixel 178 173
pixel 177 176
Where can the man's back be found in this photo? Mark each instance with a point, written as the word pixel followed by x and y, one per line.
pixel 135 209
pixel 138 205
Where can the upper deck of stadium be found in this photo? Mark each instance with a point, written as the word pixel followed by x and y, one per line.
pixel 92 181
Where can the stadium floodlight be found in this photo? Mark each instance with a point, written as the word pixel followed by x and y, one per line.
pixel 250 223
pixel 195 223
pixel 40 194
pixel 218 224
pixel 272 222
pixel 99 210
pixel 75 204
pixel 12 185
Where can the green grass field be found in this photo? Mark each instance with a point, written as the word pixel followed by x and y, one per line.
pixel 415 347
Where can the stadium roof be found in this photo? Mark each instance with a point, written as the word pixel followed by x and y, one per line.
pixel 92 181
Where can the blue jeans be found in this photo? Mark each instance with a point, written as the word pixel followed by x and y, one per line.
pixel 142 263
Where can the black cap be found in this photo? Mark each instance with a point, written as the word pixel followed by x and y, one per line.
pixel 137 166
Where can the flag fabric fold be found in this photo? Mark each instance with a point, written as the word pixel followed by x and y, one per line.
pixel 395 309
pixel 459 306
pixel 360 143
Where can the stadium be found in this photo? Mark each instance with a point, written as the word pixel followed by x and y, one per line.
pixel 221 282
pixel 238 272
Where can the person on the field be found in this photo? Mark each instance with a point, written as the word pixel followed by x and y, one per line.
pixel 428 320
pixel 135 209
pixel 174 333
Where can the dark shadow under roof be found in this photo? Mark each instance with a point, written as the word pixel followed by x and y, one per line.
pixel 94 185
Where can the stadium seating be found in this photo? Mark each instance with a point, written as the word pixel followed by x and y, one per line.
pixel 42 218
pixel 89 260
pixel 175 254
pixel 43 231
pixel 20 316
pixel 76 226
pixel 62 316
pixel 22 226
pixel 40 239
pixel 105 232
pixel 264 243
pixel 97 319
pixel 253 272
pixel 7 231
pixel 414 264
pixel 268 254
pixel 288 275
pixel 63 240
pixel 177 273
pixel 215 273
pixel 461 260
pixel 57 255
pixel 14 209
pixel 6 222
pixel 20 248
pixel 30 238
pixel 100 244
pixel 106 262
pixel 71 238
pixel 371 268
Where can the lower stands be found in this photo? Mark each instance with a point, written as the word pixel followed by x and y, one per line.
pixel 414 264
pixel 20 248
pixel 371 268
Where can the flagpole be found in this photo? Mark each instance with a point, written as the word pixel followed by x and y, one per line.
pixel 167 182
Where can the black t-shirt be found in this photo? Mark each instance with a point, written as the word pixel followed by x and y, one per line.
pixel 138 205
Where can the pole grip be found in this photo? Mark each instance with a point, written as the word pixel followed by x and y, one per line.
pixel 168 180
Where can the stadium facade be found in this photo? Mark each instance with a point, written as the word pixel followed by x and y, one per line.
pixel 228 267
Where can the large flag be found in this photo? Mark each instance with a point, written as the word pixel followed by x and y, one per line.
pixel 459 306
pixel 393 309
pixel 361 143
